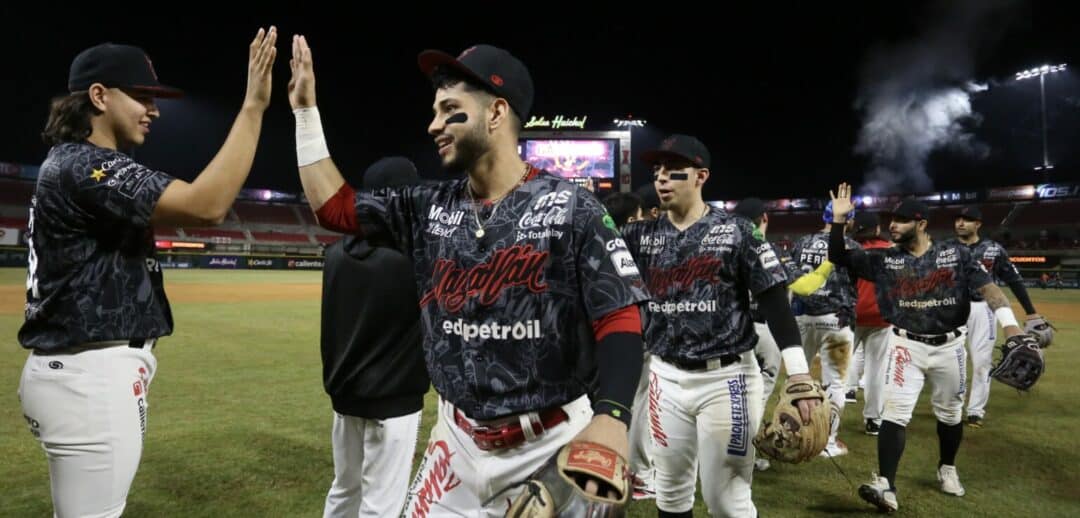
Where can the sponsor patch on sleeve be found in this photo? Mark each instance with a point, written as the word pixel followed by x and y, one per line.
pixel 624 263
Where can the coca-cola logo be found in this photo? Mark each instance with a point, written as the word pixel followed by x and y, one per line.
pixel 543 218
pixel 518 265
pixel 665 280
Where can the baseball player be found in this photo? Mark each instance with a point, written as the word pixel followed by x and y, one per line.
pixel 373 366
pixel 701 265
pixel 95 303
pixel 766 351
pixel 519 274
pixel 625 207
pixel 923 288
pixel 825 323
pixel 871 330
pixel 980 324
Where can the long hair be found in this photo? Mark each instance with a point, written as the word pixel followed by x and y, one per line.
pixel 69 119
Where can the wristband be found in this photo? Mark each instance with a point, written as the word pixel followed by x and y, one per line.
pixel 795 360
pixel 310 143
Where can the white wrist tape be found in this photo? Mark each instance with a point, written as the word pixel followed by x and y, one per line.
pixel 795 361
pixel 310 143
pixel 1005 317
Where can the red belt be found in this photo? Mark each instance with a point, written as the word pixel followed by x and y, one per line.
pixel 510 434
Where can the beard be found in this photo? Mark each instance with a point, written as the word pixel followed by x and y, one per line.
pixel 905 238
pixel 467 150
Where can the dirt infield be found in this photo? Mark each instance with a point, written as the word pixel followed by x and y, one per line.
pixel 12 298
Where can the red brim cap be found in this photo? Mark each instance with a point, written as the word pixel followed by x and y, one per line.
pixel 159 91
pixel 429 60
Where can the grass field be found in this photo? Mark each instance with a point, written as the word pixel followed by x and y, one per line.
pixel 239 424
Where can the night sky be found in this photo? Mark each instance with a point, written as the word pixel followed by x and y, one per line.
pixel 770 88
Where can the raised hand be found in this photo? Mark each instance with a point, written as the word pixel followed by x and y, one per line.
pixel 841 203
pixel 261 56
pixel 302 83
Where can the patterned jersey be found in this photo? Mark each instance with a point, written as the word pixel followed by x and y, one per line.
pixel 92 274
pixel 793 273
pixel 838 295
pixel 507 316
pixel 701 280
pixel 996 261
pixel 930 294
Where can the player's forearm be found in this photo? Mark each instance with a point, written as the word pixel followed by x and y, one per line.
pixel 318 174
pixel 773 305
pixel 216 187
pixel 838 252
pixel 813 281
pixel 619 361
pixel 999 304
pixel 1018 289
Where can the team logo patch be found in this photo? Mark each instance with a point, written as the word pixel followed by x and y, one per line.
pixel 609 222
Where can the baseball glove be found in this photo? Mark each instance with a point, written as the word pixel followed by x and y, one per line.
pixel 1021 362
pixel 1043 331
pixel 785 438
pixel 557 488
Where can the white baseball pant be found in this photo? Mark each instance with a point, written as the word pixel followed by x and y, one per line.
pixel 823 336
pixel 855 375
pixel 982 334
pixel 705 421
pixel 874 342
pixel 372 460
pixel 640 440
pixel 768 355
pixel 88 408
pixel 456 477
pixel 910 364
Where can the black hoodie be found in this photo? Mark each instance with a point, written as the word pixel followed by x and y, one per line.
pixel 373 364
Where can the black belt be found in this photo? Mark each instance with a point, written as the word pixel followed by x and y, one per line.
pixel 700 365
pixel 928 339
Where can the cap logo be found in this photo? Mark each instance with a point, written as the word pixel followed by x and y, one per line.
pixel 668 143
pixel 699 160
pixel 498 81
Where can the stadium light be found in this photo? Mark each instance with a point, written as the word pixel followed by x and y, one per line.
pixel 1041 73
pixel 629 123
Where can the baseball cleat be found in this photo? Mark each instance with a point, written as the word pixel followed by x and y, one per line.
pixel 975 421
pixel 877 492
pixel 950 480
pixel 849 397
pixel 835 448
pixel 761 464
pixel 872 428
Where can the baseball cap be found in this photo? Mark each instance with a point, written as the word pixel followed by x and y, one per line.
pixel 864 222
pixel 972 213
pixel 391 171
pixel 505 75
pixel 910 209
pixel 117 66
pixel 750 208
pixel 649 197
pixel 680 147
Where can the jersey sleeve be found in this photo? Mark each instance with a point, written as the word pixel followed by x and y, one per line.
pixel 758 264
pixel 114 187
pixel 973 270
pixel 606 271
pixel 631 235
pixel 1004 268
pixel 391 213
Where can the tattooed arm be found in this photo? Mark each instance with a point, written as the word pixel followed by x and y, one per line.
pixel 995 298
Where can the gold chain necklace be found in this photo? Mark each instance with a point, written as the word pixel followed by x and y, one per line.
pixel 498 201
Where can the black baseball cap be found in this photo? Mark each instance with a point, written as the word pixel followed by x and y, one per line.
pixel 910 209
pixel 971 213
pixel 750 208
pixel 679 147
pixel 498 70
pixel 117 66
pixel 864 222
pixel 649 196
pixel 391 171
